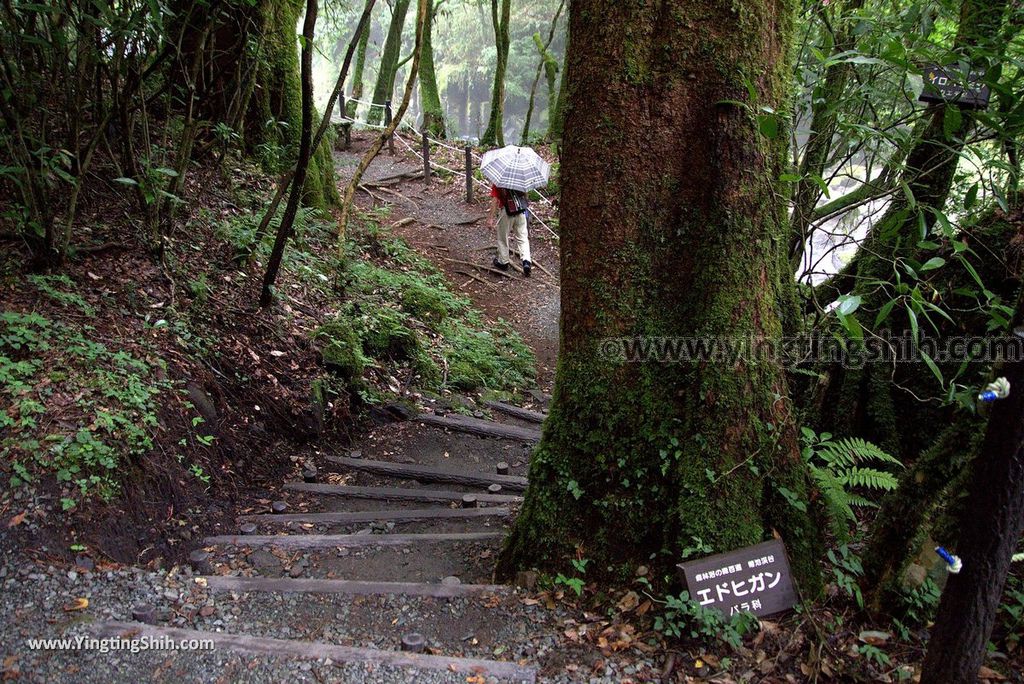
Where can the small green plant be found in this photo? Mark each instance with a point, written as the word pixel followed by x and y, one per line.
pixel 873 654
pixel 846 569
pixel 839 469
pixel 575 583
pixel 682 616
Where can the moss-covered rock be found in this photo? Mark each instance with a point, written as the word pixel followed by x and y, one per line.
pixel 340 349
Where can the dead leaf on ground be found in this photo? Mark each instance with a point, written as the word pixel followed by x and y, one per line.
pixel 77 604
pixel 17 520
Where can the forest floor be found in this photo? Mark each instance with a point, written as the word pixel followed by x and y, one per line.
pixel 379 546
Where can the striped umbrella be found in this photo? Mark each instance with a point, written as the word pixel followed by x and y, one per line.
pixel 515 168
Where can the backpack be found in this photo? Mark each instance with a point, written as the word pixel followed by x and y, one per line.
pixel 515 202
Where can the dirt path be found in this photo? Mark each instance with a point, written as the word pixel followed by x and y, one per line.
pixel 448 230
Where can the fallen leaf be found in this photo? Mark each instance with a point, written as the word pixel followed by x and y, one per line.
pixel 989 673
pixel 17 520
pixel 77 604
pixel 628 602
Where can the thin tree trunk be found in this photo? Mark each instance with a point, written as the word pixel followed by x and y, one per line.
pixel 495 134
pixel 389 61
pixel 638 460
pixel 282 186
pixel 284 231
pixel 375 148
pixel 430 101
pixel 557 116
pixel 357 76
pixel 990 530
pixel 542 66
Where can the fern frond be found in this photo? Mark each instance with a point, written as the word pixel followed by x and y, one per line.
pixel 869 478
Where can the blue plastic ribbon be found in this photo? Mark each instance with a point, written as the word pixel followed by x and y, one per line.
pixel 953 563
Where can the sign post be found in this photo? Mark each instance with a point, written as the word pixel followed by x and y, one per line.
pixel 755 579
pixel 948 84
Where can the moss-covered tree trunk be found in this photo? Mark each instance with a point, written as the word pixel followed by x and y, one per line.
pixel 549 65
pixel 557 106
pixel 274 117
pixel 388 68
pixel 357 75
pixel 495 133
pixel 430 100
pixel 639 460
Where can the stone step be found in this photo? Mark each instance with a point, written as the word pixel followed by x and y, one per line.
pixel 333 541
pixel 430 473
pixel 357 517
pixel 350 587
pixel 244 643
pixel 397 493
pixel 481 427
pixel 516 411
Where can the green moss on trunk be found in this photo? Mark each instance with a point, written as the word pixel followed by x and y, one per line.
pixel 430 101
pixel 357 75
pixel 640 459
pixel 388 68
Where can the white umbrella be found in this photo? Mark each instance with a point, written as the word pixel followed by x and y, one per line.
pixel 515 168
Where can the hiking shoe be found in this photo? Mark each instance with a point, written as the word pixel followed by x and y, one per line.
pixel 500 266
pixel 527 267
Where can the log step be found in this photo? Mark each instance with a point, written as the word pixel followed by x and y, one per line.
pixel 330 541
pixel 244 643
pixel 351 587
pixel 516 411
pixel 397 493
pixel 374 516
pixel 481 427
pixel 430 473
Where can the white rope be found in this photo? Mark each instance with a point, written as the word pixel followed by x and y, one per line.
pixel 364 102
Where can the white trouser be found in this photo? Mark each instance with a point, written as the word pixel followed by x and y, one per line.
pixel 518 225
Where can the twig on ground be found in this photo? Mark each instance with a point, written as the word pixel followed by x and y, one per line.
pixel 477 266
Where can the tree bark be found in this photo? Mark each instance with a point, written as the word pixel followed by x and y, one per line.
pixel 430 100
pixel 495 134
pixel 284 231
pixel 557 116
pixel 388 68
pixel 639 460
pixel 990 530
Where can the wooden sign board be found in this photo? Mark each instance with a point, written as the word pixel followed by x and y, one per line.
pixel 947 84
pixel 753 579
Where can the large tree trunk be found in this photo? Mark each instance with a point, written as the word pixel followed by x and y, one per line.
pixel 430 101
pixel 639 460
pixel 388 68
pixel 990 530
pixel 495 134
pixel 357 75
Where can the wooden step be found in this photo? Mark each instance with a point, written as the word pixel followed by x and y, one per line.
pixel 330 541
pixel 244 643
pixel 480 427
pixel 375 516
pixel 516 411
pixel 352 587
pixel 396 493
pixel 430 473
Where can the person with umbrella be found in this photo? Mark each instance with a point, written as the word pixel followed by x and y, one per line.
pixel 513 171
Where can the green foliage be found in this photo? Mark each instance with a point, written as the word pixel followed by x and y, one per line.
pixel 340 348
pixel 48 285
pixel 847 569
pixel 681 616
pixel 1011 613
pixel 838 469
pixel 99 404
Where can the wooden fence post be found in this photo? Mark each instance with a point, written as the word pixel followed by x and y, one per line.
pixel 426 156
pixel 387 122
pixel 469 174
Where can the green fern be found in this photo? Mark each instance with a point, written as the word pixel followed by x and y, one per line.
pixel 842 470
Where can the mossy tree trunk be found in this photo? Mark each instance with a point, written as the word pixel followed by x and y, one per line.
pixel 357 75
pixel 274 117
pixel 557 107
pixel 639 460
pixel 495 134
pixel 430 100
pixel 388 68
pixel 549 65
